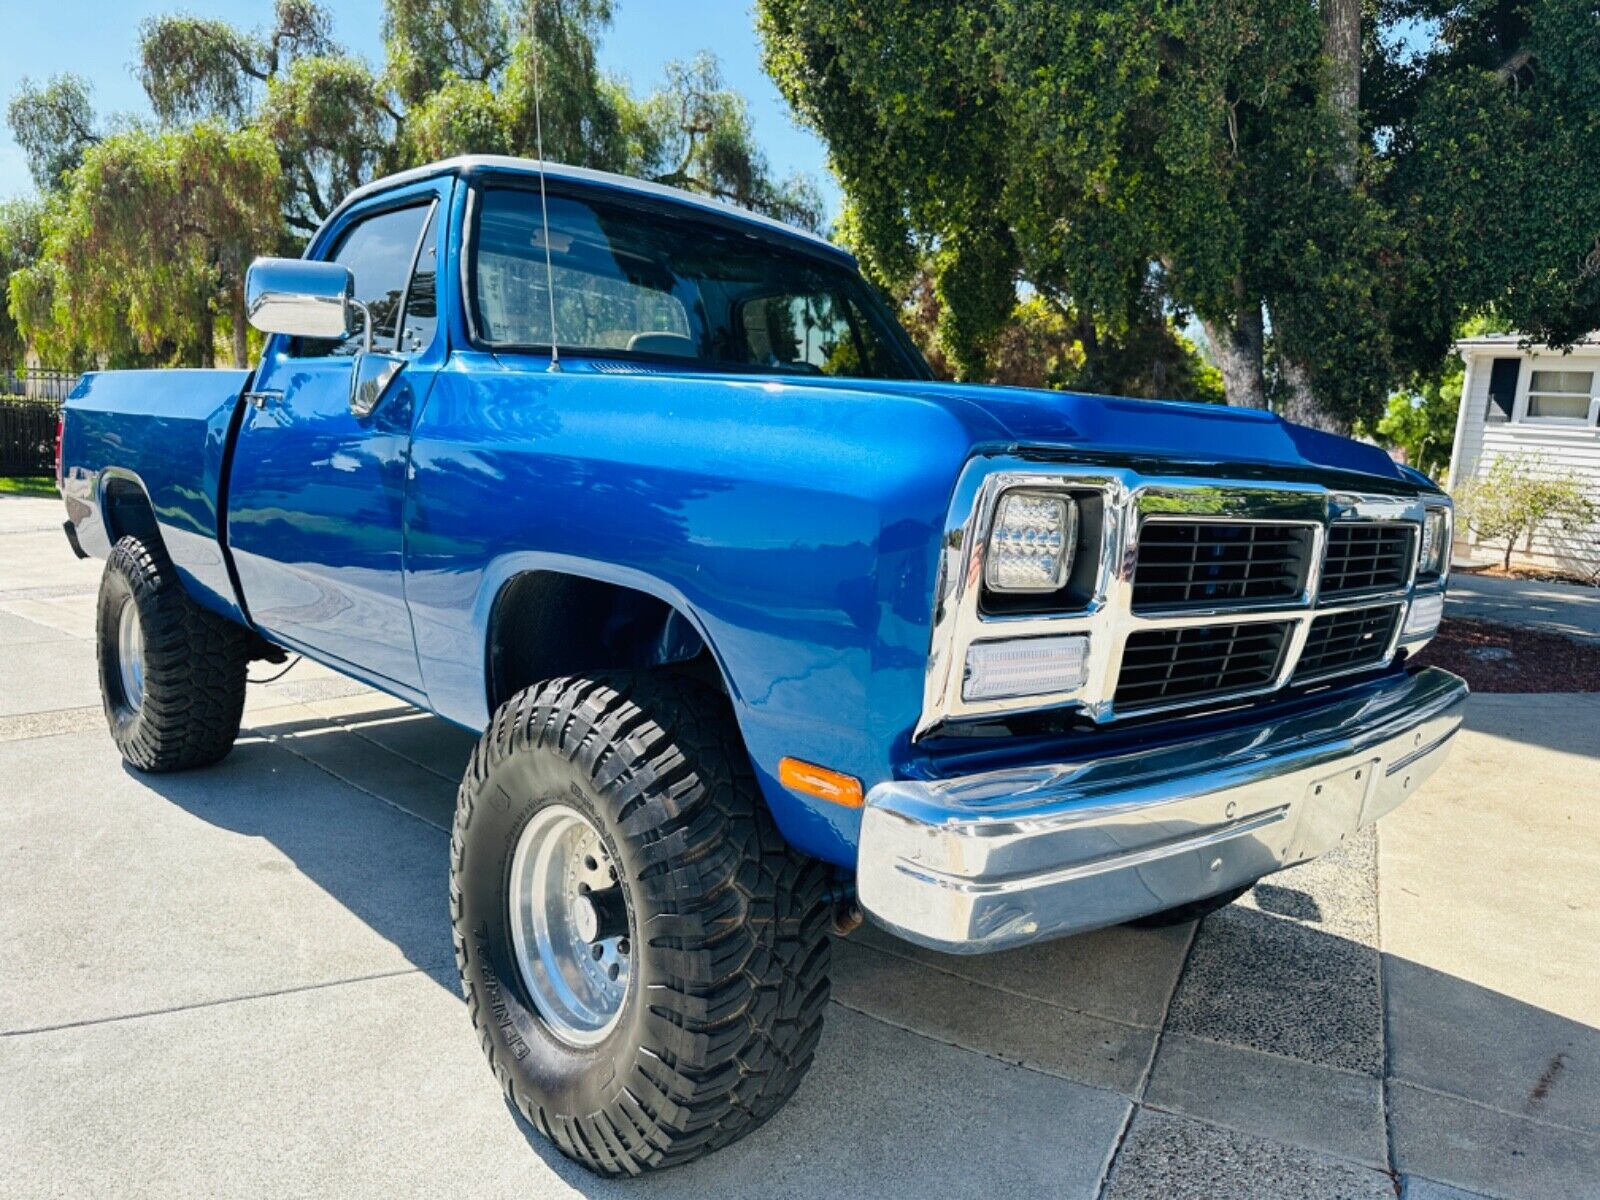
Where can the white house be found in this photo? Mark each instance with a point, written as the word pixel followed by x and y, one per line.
pixel 1539 403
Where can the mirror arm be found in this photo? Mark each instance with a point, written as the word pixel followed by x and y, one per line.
pixel 366 323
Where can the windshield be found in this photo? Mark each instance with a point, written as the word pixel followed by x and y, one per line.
pixel 631 281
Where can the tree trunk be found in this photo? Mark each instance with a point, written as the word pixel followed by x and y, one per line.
pixel 1089 339
pixel 1237 349
pixel 1341 46
pixel 208 337
pixel 1511 544
pixel 241 330
pixel 1301 405
pixel 1088 335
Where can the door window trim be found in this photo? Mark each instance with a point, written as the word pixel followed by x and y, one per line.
pixel 411 276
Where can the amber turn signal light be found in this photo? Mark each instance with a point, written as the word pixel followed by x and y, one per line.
pixel 820 782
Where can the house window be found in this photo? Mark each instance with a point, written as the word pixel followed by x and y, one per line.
pixel 1560 395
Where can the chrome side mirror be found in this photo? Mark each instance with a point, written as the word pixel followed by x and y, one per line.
pixel 300 298
pixel 304 299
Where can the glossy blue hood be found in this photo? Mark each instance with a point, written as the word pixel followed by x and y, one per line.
pixel 1169 429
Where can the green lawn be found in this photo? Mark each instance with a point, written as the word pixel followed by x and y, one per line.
pixel 27 485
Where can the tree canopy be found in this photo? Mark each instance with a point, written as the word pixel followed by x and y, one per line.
pixel 54 123
pixel 1484 148
pixel 21 240
pixel 149 241
pixel 1056 189
pixel 1327 199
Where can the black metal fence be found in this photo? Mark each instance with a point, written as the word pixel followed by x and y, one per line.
pixel 30 407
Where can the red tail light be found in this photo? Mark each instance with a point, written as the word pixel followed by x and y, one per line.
pixel 61 432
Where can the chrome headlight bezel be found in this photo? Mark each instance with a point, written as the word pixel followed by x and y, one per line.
pixel 1433 552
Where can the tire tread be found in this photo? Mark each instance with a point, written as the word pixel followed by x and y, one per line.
pixel 733 1027
pixel 195 663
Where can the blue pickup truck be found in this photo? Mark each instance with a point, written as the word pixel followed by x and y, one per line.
pixel 763 629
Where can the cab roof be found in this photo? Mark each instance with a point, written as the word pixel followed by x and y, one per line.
pixel 469 165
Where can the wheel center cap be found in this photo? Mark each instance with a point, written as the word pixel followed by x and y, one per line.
pixel 586 918
pixel 600 916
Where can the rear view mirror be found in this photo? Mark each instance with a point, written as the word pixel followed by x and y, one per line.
pixel 300 298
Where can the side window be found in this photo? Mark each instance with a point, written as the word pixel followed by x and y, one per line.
pixel 378 252
pixel 422 297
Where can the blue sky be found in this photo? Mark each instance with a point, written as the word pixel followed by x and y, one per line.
pixel 96 38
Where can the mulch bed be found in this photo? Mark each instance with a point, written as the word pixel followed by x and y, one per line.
pixel 1502 658
pixel 1535 575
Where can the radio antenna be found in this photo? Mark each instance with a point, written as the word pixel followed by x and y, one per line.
pixel 544 206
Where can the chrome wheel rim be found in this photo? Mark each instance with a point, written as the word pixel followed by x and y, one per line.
pixel 569 925
pixel 130 653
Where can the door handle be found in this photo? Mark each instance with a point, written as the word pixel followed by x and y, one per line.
pixel 260 400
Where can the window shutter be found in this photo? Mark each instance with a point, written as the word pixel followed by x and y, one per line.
pixel 1502 389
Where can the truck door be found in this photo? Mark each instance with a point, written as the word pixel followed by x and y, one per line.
pixel 317 494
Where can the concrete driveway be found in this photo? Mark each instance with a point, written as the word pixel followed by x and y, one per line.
pixel 239 982
pixel 1569 609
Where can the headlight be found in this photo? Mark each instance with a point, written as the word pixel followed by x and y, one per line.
pixel 1030 546
pixel 1435 544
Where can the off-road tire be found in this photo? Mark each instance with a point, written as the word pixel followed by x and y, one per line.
pixel 1195 910
pixel 195 664
pixel 729 975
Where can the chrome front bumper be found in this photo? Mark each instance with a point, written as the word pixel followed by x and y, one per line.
pixel 995 860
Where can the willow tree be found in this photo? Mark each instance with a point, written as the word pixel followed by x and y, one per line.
pixel 481 76
pixel 466 70
pixel 53 123
pixel 150 240
pixel 325 112
pixel 21 240
pixel 459 77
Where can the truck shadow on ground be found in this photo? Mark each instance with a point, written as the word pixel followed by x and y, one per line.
pixel 1563 608
pixel 899 1095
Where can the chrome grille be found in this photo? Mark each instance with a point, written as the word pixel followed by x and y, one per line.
pixel 1166 666
pixel 1175 611
pixel 1364 557
pixel 1346 641
pixel 1206 564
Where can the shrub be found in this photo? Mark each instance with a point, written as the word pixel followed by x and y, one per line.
pixel 1517 496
